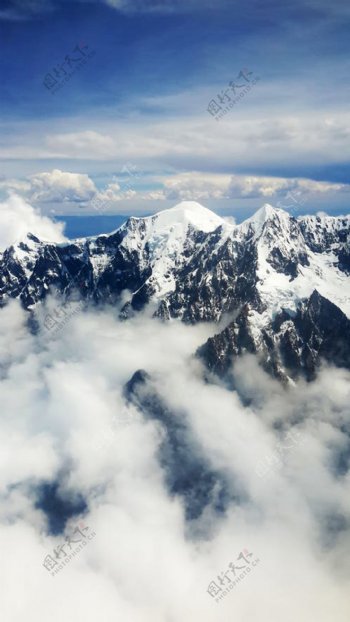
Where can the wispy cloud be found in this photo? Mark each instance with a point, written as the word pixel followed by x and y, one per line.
pixel 19 10
pixel 165 6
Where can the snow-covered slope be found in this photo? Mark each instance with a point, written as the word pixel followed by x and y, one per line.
pixel 289 268
pixel 164 239
pixel 192 263
pixel 183 215
pixel 188 263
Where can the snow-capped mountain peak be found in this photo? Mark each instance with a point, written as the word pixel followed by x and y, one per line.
pixel 187 213
pixel 186 262
pixel 163 240
pixel 190 263
pixel 267 213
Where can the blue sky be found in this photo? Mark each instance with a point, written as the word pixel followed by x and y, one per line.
pixel 130 132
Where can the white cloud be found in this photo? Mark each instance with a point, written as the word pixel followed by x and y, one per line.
pixel 54 186
pixel 255 186
pixel 201 186
pixel 92 144
pixel 65 190
pixel 17 218
pixel 60 186
pixel 144 565
pixel 253 135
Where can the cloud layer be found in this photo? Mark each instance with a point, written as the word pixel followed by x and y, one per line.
pixel 67 192
pixel 69 423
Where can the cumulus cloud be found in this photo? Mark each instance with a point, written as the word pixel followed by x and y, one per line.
pixel 54 186
pixel 67 190
pixel 17 218
pixel 255 186
pixel 67 422
pixel 200 186
pixel 60 186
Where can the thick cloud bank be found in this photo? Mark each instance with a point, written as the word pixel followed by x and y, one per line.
pixel 17 218
pixel 64 419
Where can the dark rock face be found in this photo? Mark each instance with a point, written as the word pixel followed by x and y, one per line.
pixel 326 233
pixel 58 509
pixel 344 259
pixel 188 473
pixel 290 346
pixel 210 281
pixel 285 259
pixel 325 332
pixel 287 265
pixel 218 280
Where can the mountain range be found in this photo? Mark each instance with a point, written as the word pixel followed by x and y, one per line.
pixel 276 286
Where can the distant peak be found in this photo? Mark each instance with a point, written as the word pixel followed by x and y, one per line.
pixel 189 212
pixel 267 211
pixel 264 214
pixel 191 205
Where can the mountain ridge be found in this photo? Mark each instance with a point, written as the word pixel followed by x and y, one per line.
pixel 190 264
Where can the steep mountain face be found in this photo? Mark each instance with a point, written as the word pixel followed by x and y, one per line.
pixel 326 234
pixel 188 263
pixel 290 345
pixel 143 257
pixel 188 473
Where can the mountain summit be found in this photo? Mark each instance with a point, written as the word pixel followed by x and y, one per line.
pixel 188 263
pixel 263 215
pixel 188 213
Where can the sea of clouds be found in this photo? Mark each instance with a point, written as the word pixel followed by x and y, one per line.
pixel 63 418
